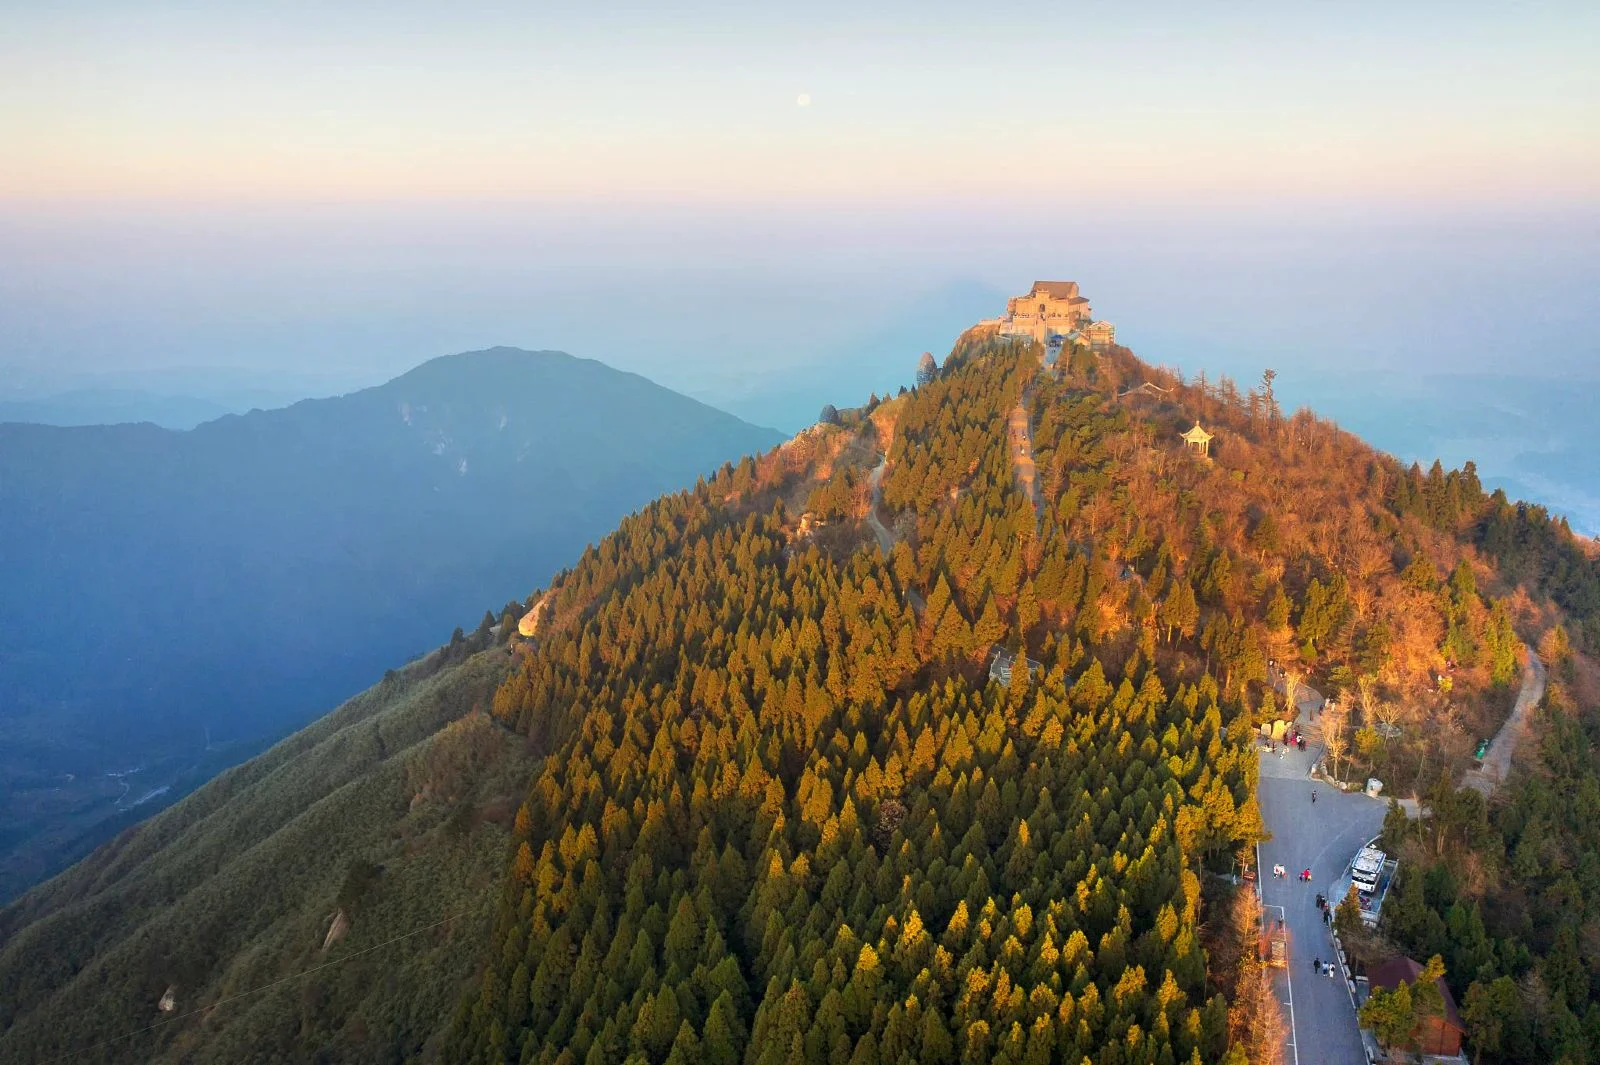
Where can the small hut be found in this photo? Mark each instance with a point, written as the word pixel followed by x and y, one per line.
pixel 1439 1035
pixel 1198 440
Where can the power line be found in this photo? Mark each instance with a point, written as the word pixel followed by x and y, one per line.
pixel 245 994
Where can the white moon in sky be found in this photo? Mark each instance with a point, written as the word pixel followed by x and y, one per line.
pixel 803 100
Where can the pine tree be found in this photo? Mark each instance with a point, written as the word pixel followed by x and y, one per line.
pixel 1391 1015
pixel 1179 611
pixel 1347 920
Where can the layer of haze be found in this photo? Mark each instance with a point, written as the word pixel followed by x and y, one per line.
pixel 1396 206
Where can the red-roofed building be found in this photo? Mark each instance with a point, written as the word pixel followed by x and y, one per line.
pixel 1437 1035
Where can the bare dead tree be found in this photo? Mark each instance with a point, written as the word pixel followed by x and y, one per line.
pixel 1293 678
pixel 1336 734
pixel 1255 1023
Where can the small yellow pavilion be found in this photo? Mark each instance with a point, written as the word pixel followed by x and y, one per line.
pixel 1198 440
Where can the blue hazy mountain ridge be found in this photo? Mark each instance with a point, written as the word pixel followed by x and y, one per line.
pixel 170 592
pixel 119 405
pixel 114 406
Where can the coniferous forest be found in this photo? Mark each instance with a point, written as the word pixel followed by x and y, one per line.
pixel 792 819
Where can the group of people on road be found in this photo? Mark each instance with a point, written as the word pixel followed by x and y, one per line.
pixel 1294 741
pixel 1280 873
pixel 1324 968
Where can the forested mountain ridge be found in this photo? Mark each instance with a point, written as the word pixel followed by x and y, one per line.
pixel 170 593
pixel 792 821
pixel 390 813
pixel 777 809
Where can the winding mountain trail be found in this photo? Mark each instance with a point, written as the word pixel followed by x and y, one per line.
pixel 528 626
pixel 1497 761
pixel 886 538
pixel 1021 443
pixel 1502 748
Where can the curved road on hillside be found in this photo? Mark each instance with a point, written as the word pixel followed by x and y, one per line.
pixel 1323 836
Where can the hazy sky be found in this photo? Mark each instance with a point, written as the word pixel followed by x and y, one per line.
pixel 1156 101
pixel 331 192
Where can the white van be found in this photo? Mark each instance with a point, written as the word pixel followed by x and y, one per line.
pixel 1365 869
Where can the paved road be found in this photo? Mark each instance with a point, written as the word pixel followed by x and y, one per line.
pixel 1497 762
pixel 1309 700
pixel 1321 836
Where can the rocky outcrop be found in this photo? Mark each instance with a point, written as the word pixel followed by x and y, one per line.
pixel 336 930
pixel 529 625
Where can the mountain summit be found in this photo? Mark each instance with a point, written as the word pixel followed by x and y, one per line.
pixel 930 735
pixel 172 597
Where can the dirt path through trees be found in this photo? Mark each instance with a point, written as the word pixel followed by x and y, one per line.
pixel 874 499
pixel 1497 761
pixel 1021 445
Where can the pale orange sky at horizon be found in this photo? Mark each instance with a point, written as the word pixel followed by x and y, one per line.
pixel 1464 103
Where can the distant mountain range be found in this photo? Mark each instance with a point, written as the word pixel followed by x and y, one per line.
pixel 173 599
pixel 119 406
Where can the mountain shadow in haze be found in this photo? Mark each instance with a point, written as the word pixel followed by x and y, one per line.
pixel 173 593
pixel 881 360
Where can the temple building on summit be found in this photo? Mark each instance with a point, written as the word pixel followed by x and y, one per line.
pixel 1054 311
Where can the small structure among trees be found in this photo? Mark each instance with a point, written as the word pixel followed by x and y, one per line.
pixel 1411 1007
pixel 1002 662
pixel 1197 440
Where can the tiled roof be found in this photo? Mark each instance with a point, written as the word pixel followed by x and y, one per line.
pixel 1389 975
pixel 1061 290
